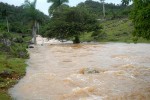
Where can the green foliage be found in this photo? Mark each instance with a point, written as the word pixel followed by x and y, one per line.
pixel 118 30
pixel 86 37
pixel 126 2
pixel 19 51
pixel 3 27
pixel 112 10
pixel 12 60
pixel 11 70
pixel 99 36
pixel 71 23
pixel 76 40
pixel 30 8
pixel 56 5
pixel 4 96
pixel 141 17
pixel 18 18
pixel 14 45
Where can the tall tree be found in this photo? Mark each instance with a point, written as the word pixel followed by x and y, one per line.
pixel 71 24
pixel 33 15
pixel 5 14
pixel 140 17
pixel 103 2
pixel 56 5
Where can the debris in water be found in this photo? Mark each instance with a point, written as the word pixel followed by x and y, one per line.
pixel 88 71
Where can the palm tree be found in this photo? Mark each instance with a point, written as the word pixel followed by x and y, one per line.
pixel 33 15
pixel 5 14
pixel 103 1
pixel 56 5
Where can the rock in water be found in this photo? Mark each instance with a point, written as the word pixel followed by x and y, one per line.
pixel 30 46
pixel 88 71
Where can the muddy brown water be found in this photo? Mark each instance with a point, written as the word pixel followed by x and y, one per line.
pixel 110 71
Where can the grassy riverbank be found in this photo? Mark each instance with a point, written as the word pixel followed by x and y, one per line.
pixel 13 55
pixel 12 69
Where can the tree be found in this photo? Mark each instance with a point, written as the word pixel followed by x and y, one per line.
pixel 125 2
pixel 141 17
pixel 33 14
pixel 103 1
pixel 71 24
pixel 56 5
pixel 5 14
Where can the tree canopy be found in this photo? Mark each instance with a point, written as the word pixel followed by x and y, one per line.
pixel 71 23
pixel 56 5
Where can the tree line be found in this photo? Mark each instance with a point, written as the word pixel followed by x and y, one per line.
pixel 17 18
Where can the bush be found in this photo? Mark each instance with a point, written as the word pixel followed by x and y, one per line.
pixel 19 50
pixel 14 45
pixel 99 35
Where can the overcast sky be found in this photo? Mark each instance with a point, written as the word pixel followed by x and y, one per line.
pixel 43 6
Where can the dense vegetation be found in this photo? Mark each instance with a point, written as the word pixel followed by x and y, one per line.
pixel 84 19
pixel 18 18
pixel 71 23
pixel 14 39
pixel 12 60
pixel 140 17
pixel 112 11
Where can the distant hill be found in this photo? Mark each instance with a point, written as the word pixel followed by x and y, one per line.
pixel 17 17
pixel 112 10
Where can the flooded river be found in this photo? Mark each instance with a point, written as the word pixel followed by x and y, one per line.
pixel 110 71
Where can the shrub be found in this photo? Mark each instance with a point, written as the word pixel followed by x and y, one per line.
pixel 13 44
pixel 99 35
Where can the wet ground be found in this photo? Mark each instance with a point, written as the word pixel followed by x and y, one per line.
pixel 110 71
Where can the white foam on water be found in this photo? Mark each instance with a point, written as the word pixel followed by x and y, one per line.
pixel 92 97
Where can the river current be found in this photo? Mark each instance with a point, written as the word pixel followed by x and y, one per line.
pixel 109 71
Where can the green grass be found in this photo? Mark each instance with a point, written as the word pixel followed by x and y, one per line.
pixel 16 68
pixel 4 96
pixel 118 30
pixel 86 37
pixel 12 65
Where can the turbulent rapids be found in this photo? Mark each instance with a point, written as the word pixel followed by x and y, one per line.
pixel 111 71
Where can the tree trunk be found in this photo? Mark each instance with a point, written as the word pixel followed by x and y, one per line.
pixel 34 29
pixel 7 24
pixel 103 9
pixel 76 40
pixel 38 28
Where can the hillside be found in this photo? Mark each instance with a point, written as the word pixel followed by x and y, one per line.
pixel 117 30
pixel 18 19
pixel 112 11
